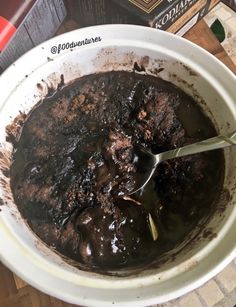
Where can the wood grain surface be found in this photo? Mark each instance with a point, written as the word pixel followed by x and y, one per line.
pixel 201 35
pixel 16 293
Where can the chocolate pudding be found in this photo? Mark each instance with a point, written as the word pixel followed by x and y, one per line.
pixel 73 170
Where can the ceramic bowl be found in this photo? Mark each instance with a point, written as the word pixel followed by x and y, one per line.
pixel 105 48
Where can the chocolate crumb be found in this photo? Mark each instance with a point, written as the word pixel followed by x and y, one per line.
pixel 138 67
pixel 39 86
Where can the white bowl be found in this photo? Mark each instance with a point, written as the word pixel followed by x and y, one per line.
pixel 117 47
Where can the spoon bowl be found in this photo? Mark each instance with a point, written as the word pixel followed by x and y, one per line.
pixel 146 162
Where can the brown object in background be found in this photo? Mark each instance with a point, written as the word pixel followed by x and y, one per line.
pixel 202 35
pixel 14 292
pixel 161 14
pixel 196 10
pixel 90 12
pixel 25 24
pixel 154 13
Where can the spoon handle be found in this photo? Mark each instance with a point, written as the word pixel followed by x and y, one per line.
pixel 216 142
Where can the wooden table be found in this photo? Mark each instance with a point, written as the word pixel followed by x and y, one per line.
pixel 201 35
pixel 16 293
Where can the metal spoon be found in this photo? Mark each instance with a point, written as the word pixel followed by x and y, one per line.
pixel 146 162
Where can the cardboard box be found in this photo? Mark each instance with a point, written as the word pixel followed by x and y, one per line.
pixel 25 24
pixel 192 16
pixel 175 16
